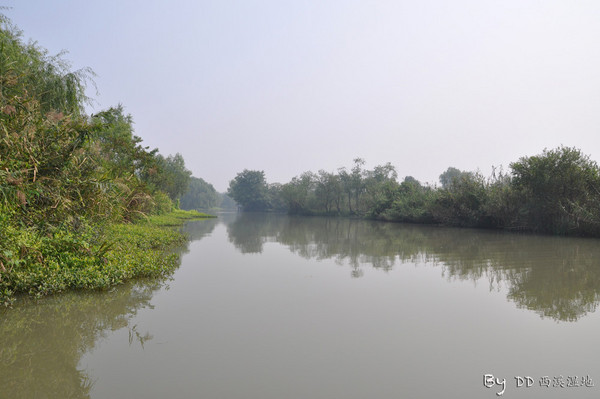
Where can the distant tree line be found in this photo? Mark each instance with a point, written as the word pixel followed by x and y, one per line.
pixel 557 192
pixel 201 195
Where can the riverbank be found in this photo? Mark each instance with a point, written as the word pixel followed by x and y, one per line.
pixel 79 194
pixel 94 258
pixel 555 192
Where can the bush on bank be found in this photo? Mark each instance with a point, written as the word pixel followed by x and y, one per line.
pixel 40 265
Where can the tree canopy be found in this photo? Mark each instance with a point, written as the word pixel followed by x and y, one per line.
pixel 249 189
pixel 559 190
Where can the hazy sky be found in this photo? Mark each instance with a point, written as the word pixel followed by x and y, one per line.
pixel 291 86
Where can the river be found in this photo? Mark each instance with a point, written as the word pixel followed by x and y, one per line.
pixel 272 306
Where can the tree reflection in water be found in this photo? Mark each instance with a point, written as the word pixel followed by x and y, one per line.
pixel 556 277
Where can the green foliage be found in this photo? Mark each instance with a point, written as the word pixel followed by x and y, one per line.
pixel 29 72
pixel 299 193
pixel 66 178
pixel 559 191
pixel 328 191
pixel 275 198
pixel 162 204
pixel 170 175
pixel 502 203
pixel 39 265
pixel 412 203
pixel 46 168
pixel 556 192
pixel 462 203
pixel 381 187
pixel 176 218
pixel 353 184
pixel 121 154
pixel 249 189
pixel 449 176
pixel 57 165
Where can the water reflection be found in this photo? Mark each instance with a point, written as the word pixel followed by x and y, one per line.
pixel 199 229
pixel 41 342
pixel 556 277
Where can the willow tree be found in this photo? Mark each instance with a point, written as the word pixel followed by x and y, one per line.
pixel 30 72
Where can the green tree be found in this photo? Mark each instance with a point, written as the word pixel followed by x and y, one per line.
pixel 328 191
pixel 275 197
pixel 353 184
pixel 559 191
pixel 299 193
pixel 463 201
pixel 170 175
pixel 357 182
pixel 449 176
pixel 347 187
pixel 412 202
pixel 29 72
pixel 121 152
pixel 380 187
pixel 502 206
pixel 249 189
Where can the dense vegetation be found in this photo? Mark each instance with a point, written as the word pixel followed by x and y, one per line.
pixel 555 192
pixel 67 179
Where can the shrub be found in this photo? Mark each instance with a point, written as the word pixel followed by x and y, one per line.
pixel 558 191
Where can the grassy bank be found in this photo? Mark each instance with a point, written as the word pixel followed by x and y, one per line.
pixel 46 264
